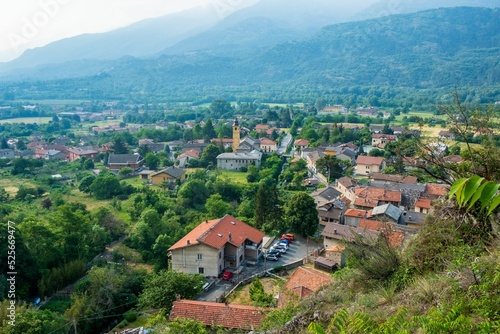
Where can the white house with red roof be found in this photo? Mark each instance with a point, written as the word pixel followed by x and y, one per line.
pixel 267 145
pixel 366 165
pixel 215 246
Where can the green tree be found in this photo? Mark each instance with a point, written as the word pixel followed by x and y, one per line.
pixel 85 184
pixel 301 214
pixel 209 154
pixel 120 145
pixel 161 289
pixel 217 207
pixel 258 296
pixel 105 186
pixel 125 171
pixel 220 108
pixel 193 192
pixel 267 206
pixel 209 131
pixel 3 144
pixel 88 164
pixel 332 166
pixel 152 161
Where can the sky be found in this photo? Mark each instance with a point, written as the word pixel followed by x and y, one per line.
pixel 26 24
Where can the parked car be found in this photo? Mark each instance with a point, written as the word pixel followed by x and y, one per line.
pixel 281 248
pixel 271 257
pixel 284 241
pixel 227 275
pixel 274 252
pixel 288 237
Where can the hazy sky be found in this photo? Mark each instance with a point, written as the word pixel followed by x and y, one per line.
pixel 26 24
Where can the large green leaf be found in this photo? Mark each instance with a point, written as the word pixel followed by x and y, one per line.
pixel 489 191
pixel 494 203
pixel 456 186
pixel 470 188
pixel 477 195
pixel 315 328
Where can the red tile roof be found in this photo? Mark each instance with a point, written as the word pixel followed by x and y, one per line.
pixel 260 127
pixel 216 233
pixel 423 203
pixel 355 213
pixel 301 142
pixel 218 314
pixel 381 135
pixel 304 282
pixel 347 182
pixel 436 189
pixel 381 195
pixel 191 153
pixel 394 178
pixel 267 141
pixel 395 238
pixel 366 160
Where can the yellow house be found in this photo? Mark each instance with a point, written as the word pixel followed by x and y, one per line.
pixel 170 174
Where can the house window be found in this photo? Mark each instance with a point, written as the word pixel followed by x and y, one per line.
pixel 367 167
pixel 201 270
pixel 200 256
pixel 220 255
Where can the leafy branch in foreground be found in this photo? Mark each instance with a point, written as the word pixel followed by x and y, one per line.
pixel 471 190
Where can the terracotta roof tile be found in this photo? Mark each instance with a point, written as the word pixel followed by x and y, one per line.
pixel 355 213
pixel 218 314
pixel 382 195
pixel 366 160
pixel 436 189
pixel 267 141
pixel 216 233
pixel 304 282
pixel 423 203
pixel 395 238
pixel 301 142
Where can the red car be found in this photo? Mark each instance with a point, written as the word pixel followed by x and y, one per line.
pixel 227 275
pixel 288 237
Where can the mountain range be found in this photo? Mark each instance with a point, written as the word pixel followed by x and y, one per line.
pixel 440 48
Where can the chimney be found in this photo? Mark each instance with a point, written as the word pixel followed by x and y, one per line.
pixel 189 242
pixel 230 236
pixel 335 231
pixel 178 297
pixel 404 213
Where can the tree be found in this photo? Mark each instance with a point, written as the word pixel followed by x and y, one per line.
pixel 193 192
pixel 209 131
pixel 105 186
pixel 120 145
pixel 161 289
pixel 267 206
pixel 152 161
pixel 3 144
pixel 301 214
pixel 85 184
pixel 88 164
pixel 125 171
pixel 20 145
pixel 219 108
pixel 217 207
pixel 209 154
pixel 333 166
pixel 258 296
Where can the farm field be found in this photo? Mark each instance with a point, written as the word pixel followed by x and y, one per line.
pixel 27 120
pixel 237 177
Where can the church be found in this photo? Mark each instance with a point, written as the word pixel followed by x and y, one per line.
pixel 245 152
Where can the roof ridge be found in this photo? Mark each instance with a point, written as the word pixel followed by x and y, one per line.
pixel 211 227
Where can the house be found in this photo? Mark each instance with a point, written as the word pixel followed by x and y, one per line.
pixel 50 154
pixel 300 144
pixel 230 316
pixel 261 127
pixel 336 254
pixel 337 234
pixel 386 212
pixel 238 160
pixel 75 153
pixel 248 144
pixel 368 198
pixel 7 154
pixel 311 160
pixel 434 191
pixel 423 205
pixel 152 146
pixel 353 216
pixel 413 219
pixel 380 140
pixel 224 142
pixel 346 186
pixel 267 145
pixel 185 157
pixel 170 175
pixel 446 135
pixel 328 213
pixel 367 165
pixel 216 245
pixel 388 230
pixel 302 284
pixel 325 195
pixel 118 161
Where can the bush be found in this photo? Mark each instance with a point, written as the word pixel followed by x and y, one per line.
pixel 123 324
pixel 130 315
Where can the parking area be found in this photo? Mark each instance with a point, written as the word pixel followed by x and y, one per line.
pixel 297 251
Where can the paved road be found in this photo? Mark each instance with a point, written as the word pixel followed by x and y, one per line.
pixel 296 251
pixel 284 144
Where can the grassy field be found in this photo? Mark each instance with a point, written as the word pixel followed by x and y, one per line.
pixel 27 120
pixel 237 177
pixel 242 295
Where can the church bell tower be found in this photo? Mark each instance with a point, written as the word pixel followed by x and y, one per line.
pixel 236 134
